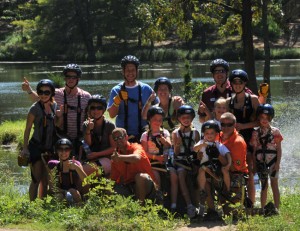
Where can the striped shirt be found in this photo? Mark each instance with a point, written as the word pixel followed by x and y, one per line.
pixel 72 101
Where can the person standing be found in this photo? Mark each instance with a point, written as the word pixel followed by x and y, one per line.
pixel 128 98
pixel 72 102
pixel 266 141
pixel 170 104
pixel 41 118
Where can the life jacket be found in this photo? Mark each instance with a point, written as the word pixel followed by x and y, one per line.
pixel 65 114
pixel 140 107
pixel 66 180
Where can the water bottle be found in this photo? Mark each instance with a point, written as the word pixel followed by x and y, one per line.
pixel 86 148
pixel 171 154
pixel 256 182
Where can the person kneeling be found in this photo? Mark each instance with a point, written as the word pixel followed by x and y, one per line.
pixel 131 168
pixel 66 176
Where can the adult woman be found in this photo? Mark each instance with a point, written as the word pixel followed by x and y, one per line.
pixel 243 106
pixel 41 115
pixel 97 136
pixel 169 103
pixel 69 174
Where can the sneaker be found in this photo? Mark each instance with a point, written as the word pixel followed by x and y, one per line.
pixel 191 211
pixel 201 210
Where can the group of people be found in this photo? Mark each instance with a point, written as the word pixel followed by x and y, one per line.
pixel 153 146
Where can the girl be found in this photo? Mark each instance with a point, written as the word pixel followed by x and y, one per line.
pixel 98 142
pixel 41 115
pixel 156 141
pixel 266 141
pixel 69 174
pixel 169 103
pixel 184 139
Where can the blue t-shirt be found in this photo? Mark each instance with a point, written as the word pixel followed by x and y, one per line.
pixel 133 106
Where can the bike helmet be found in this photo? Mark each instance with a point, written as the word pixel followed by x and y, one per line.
pixel 238 73
pixel 98 99
pixel 185 110
pixel 72 67
pixel 155 110
pixel 210 124
pixel 219 62
pixel 63 141
pixel 265 109
pixel 162 80
pixel 130 59
pixel 46 82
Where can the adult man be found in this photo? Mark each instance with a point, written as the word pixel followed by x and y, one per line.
pixel 128 98
pixel 131 168
pixel 72 102
pixel 220 68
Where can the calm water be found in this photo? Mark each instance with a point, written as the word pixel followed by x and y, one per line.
pixel 100 78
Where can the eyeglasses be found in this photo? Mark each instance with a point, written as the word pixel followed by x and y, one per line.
pixel 72 77
pixel 227 125
pixel 118 138
pixel 92 108
pixel 219 71
pixel 64 149
pixel 47 92
pixel 237 82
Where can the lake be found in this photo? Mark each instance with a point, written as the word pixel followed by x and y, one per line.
pixel 101 77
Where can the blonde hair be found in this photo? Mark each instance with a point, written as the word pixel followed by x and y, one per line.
pixel 220 101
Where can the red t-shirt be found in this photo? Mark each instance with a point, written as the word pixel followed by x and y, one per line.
pixel 123 172
pixel 238 151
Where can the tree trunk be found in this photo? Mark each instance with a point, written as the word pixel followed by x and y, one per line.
pixel 267 71
pixel 86 27
pixel 248 47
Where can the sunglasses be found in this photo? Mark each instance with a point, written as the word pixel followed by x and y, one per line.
pixel 227 125
pixel 219 71
pixel 64 149
pixel 92 108
pixel 47 92
pixel 118 138
pixel 71 77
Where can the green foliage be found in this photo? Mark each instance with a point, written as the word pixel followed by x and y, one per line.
pixel 12 131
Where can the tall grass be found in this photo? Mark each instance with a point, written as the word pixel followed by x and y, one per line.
pixel 12 131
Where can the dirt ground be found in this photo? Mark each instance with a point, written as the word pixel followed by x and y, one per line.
pixel 207 225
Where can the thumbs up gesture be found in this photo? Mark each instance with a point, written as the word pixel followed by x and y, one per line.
pixel 90 124
pixel 26 85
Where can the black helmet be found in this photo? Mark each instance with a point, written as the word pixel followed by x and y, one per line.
pixel 46 82
pixel 154 110
pixel 219 62
pixel 63 141
pixel 238 73
pixel 72 67
pixel 162 80
pixel 185 110
pixel 265 109
pixel 98 99
pixel 210 124
pixel 130 59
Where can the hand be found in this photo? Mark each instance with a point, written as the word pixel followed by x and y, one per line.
pixel 263 90
pixel 178 101
pixel 239 126
pixel 123 95
pixel 25 152
pixel 115 156
pixel 151 98
pixel 72 164
pixel 90 125
pixel 26 85
pixel 60 111
pixel 202 109
pixel 277 167
pixel 199 155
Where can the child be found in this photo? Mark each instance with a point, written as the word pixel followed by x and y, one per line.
pixel 184 139
pixel 155 142
pixel 208 150
pixel 220 107
pixel 69 174
pixel 266 142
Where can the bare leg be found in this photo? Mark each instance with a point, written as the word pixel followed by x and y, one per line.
pixel 226 178
pixel 183 187
pixel 250 184
pixel 174 186
pixel 37 174
pixel 143 186
pixel 276 193
pixel 264 195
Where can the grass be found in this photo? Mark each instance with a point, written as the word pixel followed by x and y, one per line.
pixel 12 131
